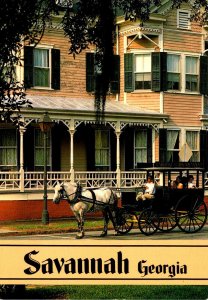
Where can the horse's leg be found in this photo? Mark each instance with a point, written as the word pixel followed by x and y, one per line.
pixel 80 233
pixel 112 217
pixel 106 220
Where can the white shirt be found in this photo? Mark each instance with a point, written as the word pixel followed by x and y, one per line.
pixel 150 188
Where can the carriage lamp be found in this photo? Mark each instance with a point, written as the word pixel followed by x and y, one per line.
pixel 45 124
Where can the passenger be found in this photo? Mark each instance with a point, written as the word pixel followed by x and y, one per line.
pixel 184 181
pixel 177 184
pixel 191 185
pixel 149 192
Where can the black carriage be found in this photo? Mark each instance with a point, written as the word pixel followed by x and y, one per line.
pixel 170 206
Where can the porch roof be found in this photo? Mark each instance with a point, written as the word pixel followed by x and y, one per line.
pixel 85 105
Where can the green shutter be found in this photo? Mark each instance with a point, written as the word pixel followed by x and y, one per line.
pixel 55 84
pixel 115 77
pixel 204 148
pixel 162 145
pixel 204 75
pixel 149 145
pixel 90 72
pixel 28 66
pixel 128 72
pixel 159 71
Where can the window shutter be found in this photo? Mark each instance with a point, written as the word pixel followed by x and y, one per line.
pixel 28 66
pixel 149 145
pixel 90 142
pixel 204 75
pixel 90 72
pixel 159 71
pixel 129 149
pixel 162 145
pixel 29 149
pixel 204 148
pixel 55 84
pixel 56 150
pixel 113 150
pixel 115 78
pixel 128 72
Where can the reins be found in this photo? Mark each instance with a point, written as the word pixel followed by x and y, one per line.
pixel 79 197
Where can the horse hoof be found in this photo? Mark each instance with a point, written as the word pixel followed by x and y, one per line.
pixel 104 233
pixel 79 236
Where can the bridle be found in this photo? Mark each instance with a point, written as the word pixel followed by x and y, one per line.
pixel 77 194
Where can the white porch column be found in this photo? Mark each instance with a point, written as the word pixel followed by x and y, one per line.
pixel 72 131
pixel 22 131
pixel 118 158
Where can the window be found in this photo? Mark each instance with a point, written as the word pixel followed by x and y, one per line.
pixel 8 148
pixel 93 70
pixel 183 19
pixel 102 149
pixel 142 71
pixel 192 73
pixel 140 146
pixel 172 145
pixel 192 139
pixel 39 150
pixel 42 67
pixel 173 72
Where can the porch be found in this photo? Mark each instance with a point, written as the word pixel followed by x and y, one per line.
pixel 33 181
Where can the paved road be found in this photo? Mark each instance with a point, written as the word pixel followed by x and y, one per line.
pixel 135 234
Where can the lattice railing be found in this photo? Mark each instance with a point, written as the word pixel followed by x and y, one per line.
pixel 11 181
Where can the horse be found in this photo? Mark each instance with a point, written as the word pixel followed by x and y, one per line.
pixel 84 200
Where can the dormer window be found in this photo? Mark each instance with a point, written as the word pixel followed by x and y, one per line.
pixel 183 19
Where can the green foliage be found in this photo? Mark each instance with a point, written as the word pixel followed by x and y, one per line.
pixel 87 22
pixel 117 292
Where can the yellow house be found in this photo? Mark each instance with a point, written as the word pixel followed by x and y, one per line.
pixel 156 106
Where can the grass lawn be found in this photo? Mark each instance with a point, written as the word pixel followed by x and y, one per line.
pixel 36 226
pixel 116 292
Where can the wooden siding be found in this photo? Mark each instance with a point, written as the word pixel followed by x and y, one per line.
pixel 146 100
pixel 181 40
pixel 184 109
pixel 73 70
pixel 156 146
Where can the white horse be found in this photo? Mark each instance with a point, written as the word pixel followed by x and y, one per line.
pixel 84 200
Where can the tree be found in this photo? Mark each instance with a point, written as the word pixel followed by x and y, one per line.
pixel 87 22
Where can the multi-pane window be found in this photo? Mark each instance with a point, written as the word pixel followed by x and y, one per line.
pixel 173 72
pixel 41 68
pixel 192 139
pixel 39 149
pixel 8 148
pixel 172 145
pixel 102 148
pixel 192 73
pixel 142 71
pixel 140 146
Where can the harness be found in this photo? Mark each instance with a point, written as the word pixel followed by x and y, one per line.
pixel 78 196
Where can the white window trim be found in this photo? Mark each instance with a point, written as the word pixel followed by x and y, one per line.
pixel 49 162
pixel 183 72
pixel 180 72
pixel 178 19
pixel 10 147
pixel 135 148
pixel 147 52
pixel 44 47
pixel 108 148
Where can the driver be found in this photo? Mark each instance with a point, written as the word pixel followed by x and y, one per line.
pixel 149 191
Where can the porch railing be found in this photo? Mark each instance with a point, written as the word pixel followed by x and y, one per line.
pixel 17 181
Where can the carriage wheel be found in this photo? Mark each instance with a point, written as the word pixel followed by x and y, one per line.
pixel 125 222
pixel 166 222
pixel 191 214
pixel 148 222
